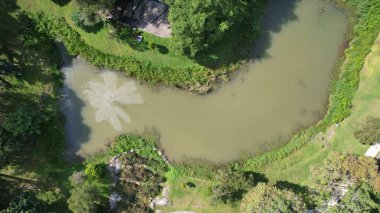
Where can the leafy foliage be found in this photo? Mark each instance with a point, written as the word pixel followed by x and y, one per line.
pixel 266 198
pixel 367 25
pixel 197 25
pixel 339 168
pixel 26 202
pixel 23 122
pixel 95 170
pixel 15 128
pixel 232 185
pixel 360 173
pixel 359 199
pixel 137 183
pixel 369 133
pixel 145 148
pixel 84 198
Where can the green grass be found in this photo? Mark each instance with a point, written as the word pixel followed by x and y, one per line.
pixel 195 199
pixel 101 40
pixel 366 102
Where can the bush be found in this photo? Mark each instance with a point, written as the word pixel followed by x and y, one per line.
pixel 152 45
pixel 76 17
pixel 26 202
pixel 232 185
pixel 95 170
pixel 266 198
pixel 369 133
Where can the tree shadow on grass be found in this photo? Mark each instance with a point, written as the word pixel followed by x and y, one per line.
pixel 162 49
pixel 235 46
pixel 61 3
pixel 93 29
pixel 302 191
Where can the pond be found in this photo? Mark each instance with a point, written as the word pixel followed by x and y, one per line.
pixel 283 88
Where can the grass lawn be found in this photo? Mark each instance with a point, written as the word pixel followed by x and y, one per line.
pixel 195 199
pixel 296 167
pixel 101 41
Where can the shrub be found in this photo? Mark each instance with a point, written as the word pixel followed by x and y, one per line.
pixel 152 45
pixel 26 202
pixel 369 133
pixel 232 185
pixel 95 170
pixel 266 198
pixel 76 17
pixel 143 147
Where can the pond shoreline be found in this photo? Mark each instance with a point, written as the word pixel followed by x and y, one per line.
pixel 236 101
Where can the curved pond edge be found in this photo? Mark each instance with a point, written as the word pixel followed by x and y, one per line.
pixel 343 87
pixel 362 18
pixel 197 79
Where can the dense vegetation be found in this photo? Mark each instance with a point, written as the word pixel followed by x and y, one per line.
pixel 358 173
pixel 267 198
pixel 141 172
pixel 25 202
pixel 31 158
pixel 30 80
pixel 369 133
pixel 198 25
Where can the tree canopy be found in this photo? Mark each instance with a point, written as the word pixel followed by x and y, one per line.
pixel 360 175
pixel 359 199
pixel 15 128
pixel 197 25
pixel 233 185
pixel 266 198
pixel 84 198
pixel 26 202
pixel 339 168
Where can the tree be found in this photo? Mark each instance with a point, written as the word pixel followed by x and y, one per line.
pixel 84 198
pixel 15 128
pixel 196 25
pixel 359 199
pixel 357 173
pixel 369 133
pixel 339 168
pixel 88 14
pixel 26 202
pixel 266 198
pixel 23 122
pixel 232 185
